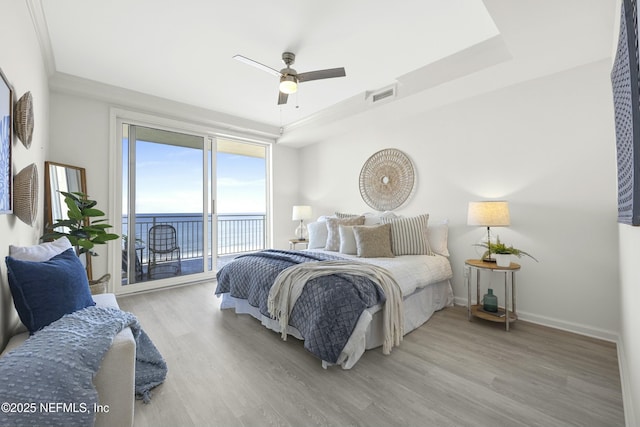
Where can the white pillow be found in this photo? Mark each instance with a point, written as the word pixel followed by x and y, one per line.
pixel 438 234
pixel 347 240
pixel 39 253
pixel 375 218
pixel 317 235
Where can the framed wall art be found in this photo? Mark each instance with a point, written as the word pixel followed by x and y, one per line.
pixel 626 100
pixel 6 106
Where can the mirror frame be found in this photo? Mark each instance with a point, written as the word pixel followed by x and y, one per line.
pixel 48 191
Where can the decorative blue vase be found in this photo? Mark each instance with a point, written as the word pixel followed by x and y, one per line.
pixel 490 301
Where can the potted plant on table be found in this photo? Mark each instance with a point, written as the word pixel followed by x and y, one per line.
pixel 502 252
pixel 84 230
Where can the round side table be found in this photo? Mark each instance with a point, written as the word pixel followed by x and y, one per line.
pixel 504 315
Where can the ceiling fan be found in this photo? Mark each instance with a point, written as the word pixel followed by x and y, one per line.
pixel 289 78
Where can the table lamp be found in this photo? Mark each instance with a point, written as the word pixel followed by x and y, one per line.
pixel 300 213
pixel 489 214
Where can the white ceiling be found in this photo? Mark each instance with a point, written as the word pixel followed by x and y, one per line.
pixel 182 50
pixel 436 52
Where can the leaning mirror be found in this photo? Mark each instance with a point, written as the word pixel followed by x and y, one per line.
pixel 60 177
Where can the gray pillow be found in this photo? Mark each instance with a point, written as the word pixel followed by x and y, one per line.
pixel 333 232
pixel 373 241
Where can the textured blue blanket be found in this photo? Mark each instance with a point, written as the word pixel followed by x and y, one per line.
pixel 326 312
pixel 44 383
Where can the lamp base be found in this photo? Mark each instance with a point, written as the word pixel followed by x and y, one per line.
pixel 301 232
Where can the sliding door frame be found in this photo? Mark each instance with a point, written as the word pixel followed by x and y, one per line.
pixel 118 117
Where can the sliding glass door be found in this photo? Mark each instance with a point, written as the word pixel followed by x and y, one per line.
pixel 241 182
pixel 168 193
pixel 190 202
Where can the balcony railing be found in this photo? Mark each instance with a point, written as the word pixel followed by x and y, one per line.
pixel 237 233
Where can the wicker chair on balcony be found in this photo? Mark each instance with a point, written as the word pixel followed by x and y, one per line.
pixel 164 252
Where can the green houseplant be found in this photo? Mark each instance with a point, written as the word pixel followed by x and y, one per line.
pixel 500 248
pixel 84 228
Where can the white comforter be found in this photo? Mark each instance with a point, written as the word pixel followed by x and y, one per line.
pixel 410 271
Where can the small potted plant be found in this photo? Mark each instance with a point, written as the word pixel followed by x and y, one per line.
pixel 502 252
pixel 82 227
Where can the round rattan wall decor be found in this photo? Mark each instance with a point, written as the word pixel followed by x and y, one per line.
pixel 387 179
pixel 25 194
pixel 23 119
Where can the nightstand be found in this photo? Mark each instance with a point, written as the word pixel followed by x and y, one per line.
pixel 294 242
pixel 504 315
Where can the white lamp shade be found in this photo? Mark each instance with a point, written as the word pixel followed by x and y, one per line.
pixel 489 214
pixel 301 212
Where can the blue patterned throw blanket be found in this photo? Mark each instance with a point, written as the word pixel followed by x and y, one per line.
pixel 328 308
pixel 47 383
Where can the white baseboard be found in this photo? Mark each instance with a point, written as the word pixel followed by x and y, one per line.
pixel 560 324
pixel 629 415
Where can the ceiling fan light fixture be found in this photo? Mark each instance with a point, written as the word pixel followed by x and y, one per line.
pixel 289 78
pixel 288 84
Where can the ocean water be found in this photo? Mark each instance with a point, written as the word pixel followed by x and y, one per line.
pixel 236 233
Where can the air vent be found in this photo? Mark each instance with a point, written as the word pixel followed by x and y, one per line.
pixel 381 95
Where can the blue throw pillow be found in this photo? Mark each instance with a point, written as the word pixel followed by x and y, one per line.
pixel 45 291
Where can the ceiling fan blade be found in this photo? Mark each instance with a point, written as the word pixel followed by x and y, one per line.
pixel 257 65
pixel 322 74
pixel 282 98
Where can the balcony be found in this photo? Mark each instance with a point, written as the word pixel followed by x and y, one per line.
pixel 237 234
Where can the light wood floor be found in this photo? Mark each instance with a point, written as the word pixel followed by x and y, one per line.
pixel 228 370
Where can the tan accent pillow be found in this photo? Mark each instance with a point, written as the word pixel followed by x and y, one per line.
pixel 373 241
pixel 333 232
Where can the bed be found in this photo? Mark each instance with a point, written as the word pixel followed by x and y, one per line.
pixel 423 279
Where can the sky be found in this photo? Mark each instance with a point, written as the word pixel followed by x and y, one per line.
pixel 241 184
pixel 169 180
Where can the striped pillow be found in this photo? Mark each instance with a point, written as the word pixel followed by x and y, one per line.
pixel 409 235
pixel 342 215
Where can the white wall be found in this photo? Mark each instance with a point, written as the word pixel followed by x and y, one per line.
pixel 547 146
pixel 21 63
pixel 629 344
pixel 286 194
pixel 80 135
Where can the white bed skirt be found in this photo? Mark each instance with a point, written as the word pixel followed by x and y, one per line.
pixel 418 308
